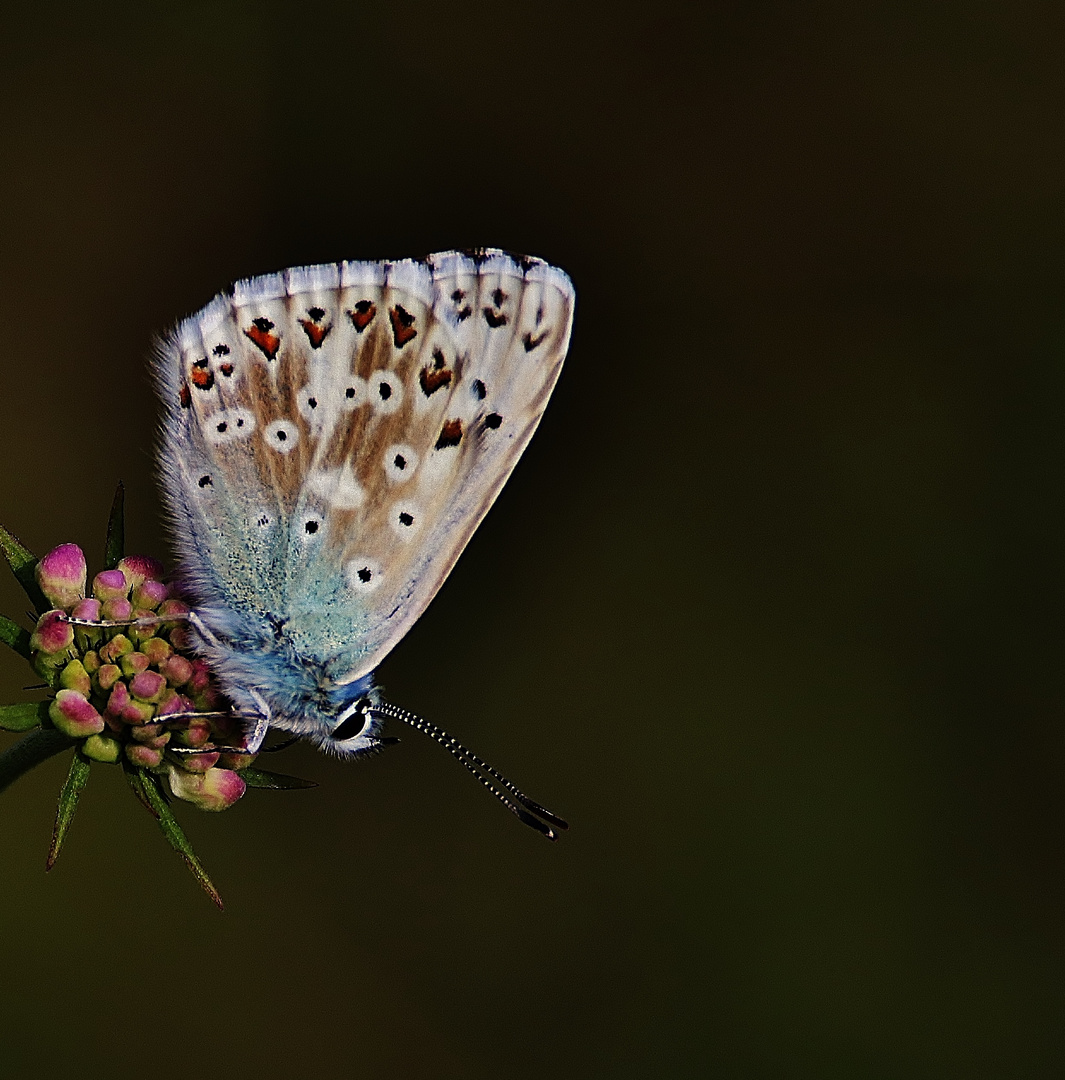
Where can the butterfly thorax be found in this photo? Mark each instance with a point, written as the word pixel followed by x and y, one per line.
pixel 279 659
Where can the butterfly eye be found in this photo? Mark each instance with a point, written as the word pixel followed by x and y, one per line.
pixel 399 462
pixel 385 392
pixel 282 435
pixel 354 721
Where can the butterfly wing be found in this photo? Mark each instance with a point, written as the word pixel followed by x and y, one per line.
pixel 334 434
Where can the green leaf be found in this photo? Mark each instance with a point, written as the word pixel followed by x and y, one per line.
pixel 274 781
pixel 13 635
pixel 23 563
pixel 29 752
pixel 115 547
pixel 23 717
pixel 68 803
pixel 135 779
pixel 153 798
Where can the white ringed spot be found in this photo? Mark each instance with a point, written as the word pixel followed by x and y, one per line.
pixel 385 391
pixel 353 393
pixel 405 519
pixel 282 436
pixel 362 575
pixel 228 425
pixel 399 462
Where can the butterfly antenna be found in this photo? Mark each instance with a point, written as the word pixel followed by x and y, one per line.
pixel 519 805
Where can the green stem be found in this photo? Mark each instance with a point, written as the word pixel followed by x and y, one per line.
pixel 31 751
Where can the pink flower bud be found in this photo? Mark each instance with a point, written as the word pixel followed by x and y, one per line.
pixel 173 702
pixel 117 609
pixel 74 716
pixel 151 735
pixel 107 676
pixel 53 635
pixel 61 575
pixel 199 763
pixel 173 607
pixel 147 685
pixel 133 663
pixel 119 698
pixel 75 677
pixel 200 678
pixel 89 608
pixel 102 748
pixel 194 732
pixel 149 594
pixel 109 585
pixel 138 712
pixel 138 568
pixel 177 670
pixel 144 757
pixel 216 789
pixel 158 650
pixel 236 761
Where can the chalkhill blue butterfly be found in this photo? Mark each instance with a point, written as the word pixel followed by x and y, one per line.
pixel 331 437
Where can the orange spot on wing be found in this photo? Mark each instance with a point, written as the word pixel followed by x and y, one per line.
pixel 362 314
pixel 402 325
pixel 450 434
pixel 202 378
pixel 315 334
pixel 259 334
pixel 433 378
pixel 185 397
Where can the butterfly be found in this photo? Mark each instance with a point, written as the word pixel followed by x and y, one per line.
pixel 331 437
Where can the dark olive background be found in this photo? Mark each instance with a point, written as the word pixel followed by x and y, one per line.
pixel 771 610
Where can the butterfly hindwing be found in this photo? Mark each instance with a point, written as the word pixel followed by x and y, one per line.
pixel 334 434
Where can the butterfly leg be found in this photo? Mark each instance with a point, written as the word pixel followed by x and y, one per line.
pixel 262 723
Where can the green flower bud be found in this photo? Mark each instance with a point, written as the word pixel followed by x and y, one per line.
pixel 116 648
pixel 107 676
pixel 102 748
pixel 75 677
pixel 158 650
pixel 74 716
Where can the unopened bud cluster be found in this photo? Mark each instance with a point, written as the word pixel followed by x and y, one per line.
pixel 116 686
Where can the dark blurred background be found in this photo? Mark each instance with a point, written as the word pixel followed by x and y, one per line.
pixel 771 610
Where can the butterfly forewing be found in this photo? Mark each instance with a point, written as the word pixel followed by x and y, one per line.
pixel 345 427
